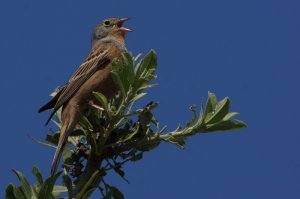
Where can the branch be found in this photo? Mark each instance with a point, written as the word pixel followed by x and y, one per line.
pixel 116 134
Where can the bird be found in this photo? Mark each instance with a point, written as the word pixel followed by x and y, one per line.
pixel 93 75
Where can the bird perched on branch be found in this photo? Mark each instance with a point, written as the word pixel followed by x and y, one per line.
pixel 108 42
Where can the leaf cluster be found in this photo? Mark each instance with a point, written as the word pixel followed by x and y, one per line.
pixel 116 132
pixel 41 189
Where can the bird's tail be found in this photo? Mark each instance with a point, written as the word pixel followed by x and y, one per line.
pixel 56 159
pixel 68 125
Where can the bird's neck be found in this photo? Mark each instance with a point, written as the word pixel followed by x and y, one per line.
pixel 118 38
pixel 118 41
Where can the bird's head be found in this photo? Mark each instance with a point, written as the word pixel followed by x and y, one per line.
pixel 109 27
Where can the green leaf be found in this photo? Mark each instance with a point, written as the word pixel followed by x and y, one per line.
pixel 118 81
pixel 210 105
pixel 58 115
pixel 137 97
pixel 36 189
pixel 144 71
pixel 132 134
pixel 108 195
pixel 152 105
pixel 136 58
pixel 155 122
pixel 47 144
pixel 102 99
pixel 85 123
pixel 18 193
pixel 195 117
pixel 38 176
pixel 9 192
pixel 77 132
pixel 149 62
pixel 47 187
pixel 213 99
pixel 53 138
pixel 116 193
pixel 137 157
pixel 88 193
pixel 179 128
pixel 26 188
pixel 67 153
pixel 92 140
pixel 57 190
pixel 119 171
pixel 67 182
pixel 230 116
pixel 128 71
pixel 226 125
pixel 145 119
pixel 179 141
pixel 147 86
pixel 123 72
pixel 163 129
pixel 58 124
pixel 147 146
pixel 87 185
pixel 220 111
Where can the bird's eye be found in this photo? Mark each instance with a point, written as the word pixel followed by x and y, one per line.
pixel 107 23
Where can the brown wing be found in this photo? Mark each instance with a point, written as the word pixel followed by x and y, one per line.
pixel 94 61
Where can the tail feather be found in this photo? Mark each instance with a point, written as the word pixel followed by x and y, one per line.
pixel 60 148
pixel 69 124
pixel 56 159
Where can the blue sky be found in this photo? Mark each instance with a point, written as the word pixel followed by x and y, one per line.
pixel 247 50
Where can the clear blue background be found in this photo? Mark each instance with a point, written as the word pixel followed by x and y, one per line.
pixel 247 50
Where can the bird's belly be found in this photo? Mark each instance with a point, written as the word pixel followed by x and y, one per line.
pixel 101 81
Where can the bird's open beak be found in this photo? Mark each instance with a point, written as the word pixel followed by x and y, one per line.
pixel 120 24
